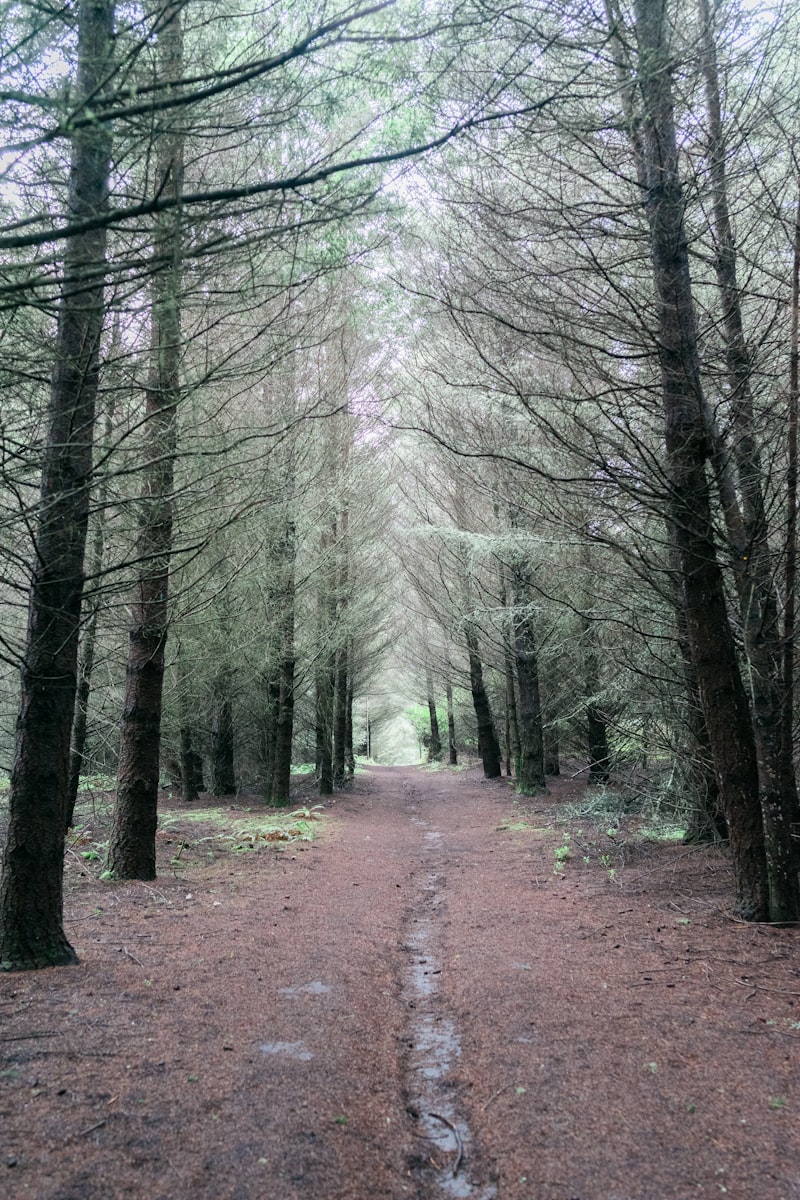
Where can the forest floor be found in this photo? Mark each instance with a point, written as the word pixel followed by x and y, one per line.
pixel 448 993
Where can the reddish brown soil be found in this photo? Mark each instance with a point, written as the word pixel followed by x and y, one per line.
pixel 416 1005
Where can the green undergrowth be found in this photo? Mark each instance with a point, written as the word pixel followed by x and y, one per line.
pixel 454 768
pixel 243 831
pixel 604 829
pixel 196 838
pixel 643 816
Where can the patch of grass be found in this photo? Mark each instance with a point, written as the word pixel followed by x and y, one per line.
pixel 243 832
pixel 660 831
pixel 521 826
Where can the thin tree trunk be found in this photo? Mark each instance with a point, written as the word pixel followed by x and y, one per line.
pixel 31 889
pixel 191 766
pixel 552 747
pixel 281 785
pixel 790 576
pixel 325 679
pixel 530 761
pixel 451 727
pixel 349 754
pixel 435 750
pixel 513 721
pixel 88 639
pixel 488 745
pixel 132 848
pixel 80 721
pixel 340 717
pixel 190 761
pixel 223 775
pixel 713 651
pixel 596 727
pixel 269 735
pixel 325 687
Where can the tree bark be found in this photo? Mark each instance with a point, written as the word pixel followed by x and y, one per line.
pixel 31 889
pixel 687 448
pixel 435 749
pixel 451 727
pixel 191 765
pixel 349 753
pixel 340 717
pixel 488 745
pixel 596 727
pixel 88 639
pixel 552 748
pixel 790 542
pixel 706 822
pixel 223 775
pixel 281 784
pixel 514 718
pixel 530 760
pixel 325 688
pixel 269 735
pixel 132 848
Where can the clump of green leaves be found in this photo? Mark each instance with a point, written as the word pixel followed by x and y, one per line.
pixel 563 853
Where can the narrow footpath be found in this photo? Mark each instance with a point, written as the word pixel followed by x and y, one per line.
pixel 428 1002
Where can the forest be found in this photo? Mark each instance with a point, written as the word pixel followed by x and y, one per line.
pixel 435 361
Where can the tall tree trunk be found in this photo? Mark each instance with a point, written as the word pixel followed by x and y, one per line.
pixel 513 717
pixel 530 761
pixel 31 889
pixel 132 848
pixel 596 727
pixel 281 784
pixel 269 735
pixel 552 750
pixel 88 639
pixel 435 750
pixel 325 677
pixel 223 775
pixel 790 542
pixel 190 761
pixel 325 689
pixel 340 717
pixel 713 651
pixel 80 720
pixel 191 765
pixel 349 753
pixel 706 822
pixel 488 745
pixel 451 727
pixel 755 581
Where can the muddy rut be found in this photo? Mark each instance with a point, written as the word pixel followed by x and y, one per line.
pixel 425 1003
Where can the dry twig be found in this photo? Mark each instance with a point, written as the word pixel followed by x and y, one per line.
pixel 456 1135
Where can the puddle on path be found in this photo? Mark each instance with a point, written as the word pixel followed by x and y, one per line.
pixel 296 1050
pixel 316 988
pixel 435 1047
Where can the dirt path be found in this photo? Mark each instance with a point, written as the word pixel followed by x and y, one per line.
pixel 418 1005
